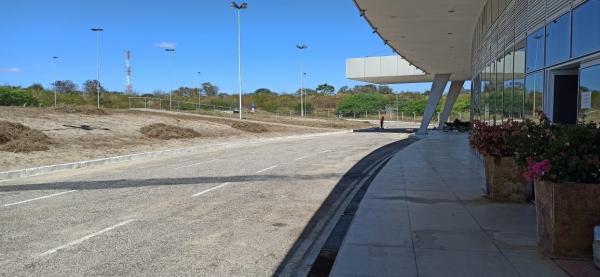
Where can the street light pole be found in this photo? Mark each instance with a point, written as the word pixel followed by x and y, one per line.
pixel 97 30
pixel 301 47
pixel 171 51
pixel 54 69
pixel 199 89
pixel 238 8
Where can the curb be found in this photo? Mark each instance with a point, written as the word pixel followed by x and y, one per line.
pixel 36 171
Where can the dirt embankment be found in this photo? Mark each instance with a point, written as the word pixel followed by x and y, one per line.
pixel 35 137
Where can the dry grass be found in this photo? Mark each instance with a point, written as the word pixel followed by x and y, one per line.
pixel 249 127
pixel 87 110
pixel 16 137
pixel 166 132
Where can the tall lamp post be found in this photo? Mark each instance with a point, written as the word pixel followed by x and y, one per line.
pixel 170 51
pixel 239 8
pixel 97 31
pixel 54 58
pixel 301 47
pixel 199 88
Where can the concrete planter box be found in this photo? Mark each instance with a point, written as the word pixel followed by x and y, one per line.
pixel 504 181
pixel 566 216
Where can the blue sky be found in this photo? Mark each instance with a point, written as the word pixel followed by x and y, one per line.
pixel 205 35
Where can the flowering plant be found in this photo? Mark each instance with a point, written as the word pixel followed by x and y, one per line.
pixel 557 152
pixel 491 139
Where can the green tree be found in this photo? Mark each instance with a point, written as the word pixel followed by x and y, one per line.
pixel 326 89
pixel 65 86
pixel 90 87
pixel 362 102
pixel 210 89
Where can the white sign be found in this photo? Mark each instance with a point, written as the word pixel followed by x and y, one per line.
pixel 586 100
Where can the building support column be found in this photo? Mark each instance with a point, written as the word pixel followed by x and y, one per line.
pixel 455 88
pixel 437 89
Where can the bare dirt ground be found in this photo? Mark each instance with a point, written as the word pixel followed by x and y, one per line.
pixel 118 133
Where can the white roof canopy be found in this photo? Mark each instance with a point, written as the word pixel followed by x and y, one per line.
pixel 434 35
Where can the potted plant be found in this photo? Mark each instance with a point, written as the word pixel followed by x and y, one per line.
pixel 504 182
pixel 564 162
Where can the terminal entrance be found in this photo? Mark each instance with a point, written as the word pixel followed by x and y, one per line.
pixel 564 90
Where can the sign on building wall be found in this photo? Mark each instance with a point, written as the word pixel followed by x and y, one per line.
pixel 586 100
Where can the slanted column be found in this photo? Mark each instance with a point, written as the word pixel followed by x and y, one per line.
pixel 437 89
pixel 455 88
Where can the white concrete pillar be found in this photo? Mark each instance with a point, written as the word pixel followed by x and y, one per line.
pixel 437 89
pixel 455 88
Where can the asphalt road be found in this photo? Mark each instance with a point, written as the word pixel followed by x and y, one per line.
pixel 229 212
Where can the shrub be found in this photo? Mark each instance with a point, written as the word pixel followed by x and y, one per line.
pixel 16 97
pixel 362 102
pixel 492 139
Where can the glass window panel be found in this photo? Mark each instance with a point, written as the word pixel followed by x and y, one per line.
pixel 499 88
pixel 535 50
pixel 507 95
pixel 534 90
pixel 493 92
pixel 586 28
pixel 519 83
pixel 558 40
pixel 486 93
pixel 589 85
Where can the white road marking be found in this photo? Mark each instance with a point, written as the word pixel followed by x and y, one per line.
pixel 210 189
pixel 190 165
pixel 326 151
pixel 268 168
pixel 302 158
pixel 78 241
pixel 38 198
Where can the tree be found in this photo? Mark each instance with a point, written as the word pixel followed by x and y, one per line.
pixel 370 88
pixel 344 89
pixel 37 87
pixel 362 102
pixel 186 92
pixel 385 90
pixel 263 91
pixel 210 89
pixel 65 86
pixel 91 87
pixel 326 89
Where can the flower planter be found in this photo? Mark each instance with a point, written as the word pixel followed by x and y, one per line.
pixel 503 179
pixel 566 216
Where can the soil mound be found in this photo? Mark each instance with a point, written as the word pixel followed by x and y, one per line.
pixel 166 132
pixel 82 110
pixel 16 137
pixel 249 127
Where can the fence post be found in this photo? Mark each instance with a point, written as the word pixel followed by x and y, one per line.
pixel 415 116
pixel 438 118
pixel 402 116
pixel 129 101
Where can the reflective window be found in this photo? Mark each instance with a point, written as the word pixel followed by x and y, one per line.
pixel 486 91
pixel 586 28
pixel 534 90
pixel 507 95
pixel 558 40
pixel 589 98
pixel 519 83
pixel 499 88
pixel 535 50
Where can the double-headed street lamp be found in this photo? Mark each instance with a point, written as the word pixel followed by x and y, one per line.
pixel 97 30
pixel 54 58
pixel 302 47
pixel 239 8
pixel 171 51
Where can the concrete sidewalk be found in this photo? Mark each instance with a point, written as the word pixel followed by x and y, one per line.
pixel 424 215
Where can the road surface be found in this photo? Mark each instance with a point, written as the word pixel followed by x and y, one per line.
pixel 228 212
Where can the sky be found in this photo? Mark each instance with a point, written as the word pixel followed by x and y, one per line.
pixel 204 33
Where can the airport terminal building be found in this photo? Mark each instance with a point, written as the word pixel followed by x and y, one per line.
pixel 520 55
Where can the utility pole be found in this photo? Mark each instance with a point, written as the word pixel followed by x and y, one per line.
pixel 171 51
pixel 54 58
pixel 97 31
pixel 199 89
pixel 302 47
pixel 238 8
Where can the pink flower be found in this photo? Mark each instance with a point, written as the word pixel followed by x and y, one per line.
pixel 535 170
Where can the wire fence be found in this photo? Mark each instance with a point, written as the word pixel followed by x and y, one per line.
pixel 315 117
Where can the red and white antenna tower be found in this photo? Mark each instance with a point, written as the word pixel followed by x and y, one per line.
pixel 128 88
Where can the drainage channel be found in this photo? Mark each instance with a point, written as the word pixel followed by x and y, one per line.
pixel 325 259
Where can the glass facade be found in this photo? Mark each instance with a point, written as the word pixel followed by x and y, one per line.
pixel 586 28
pixel 534 91
pixel 511 80
pixel 558 34
pixel 535 50
pixel 589 94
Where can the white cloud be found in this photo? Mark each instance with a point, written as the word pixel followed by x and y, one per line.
pixel 10 70
pixel 166 45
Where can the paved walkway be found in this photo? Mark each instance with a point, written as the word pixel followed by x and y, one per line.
pixel 424 215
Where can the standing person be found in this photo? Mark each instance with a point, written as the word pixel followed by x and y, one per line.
pixel 381 122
